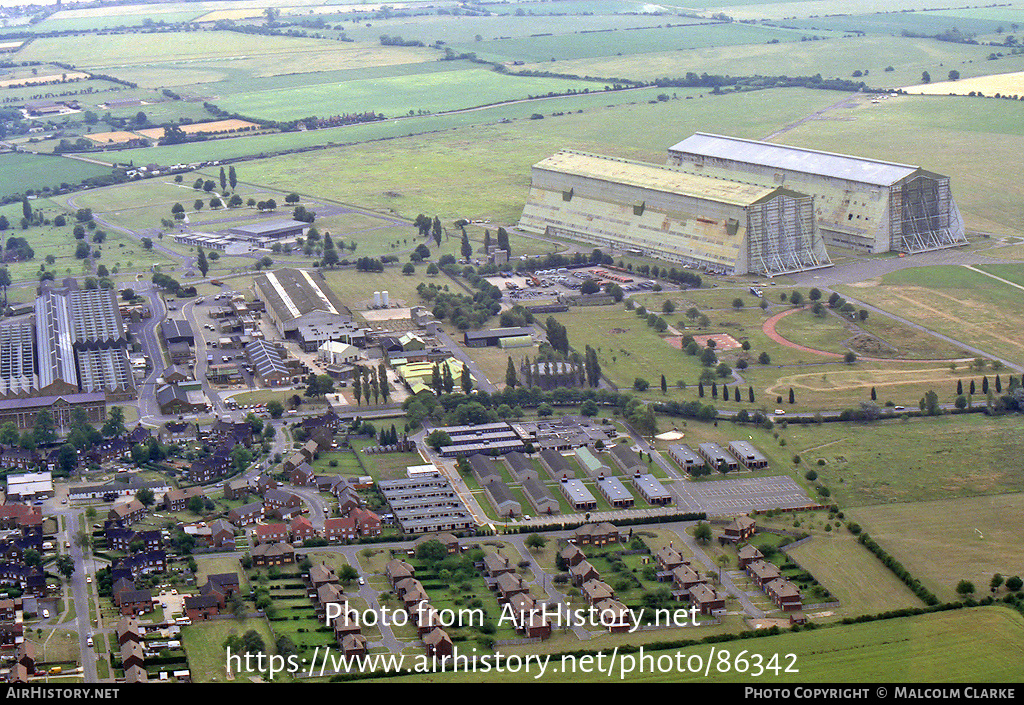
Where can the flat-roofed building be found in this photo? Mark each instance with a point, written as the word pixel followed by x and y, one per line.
pixel 29 486
pixel 715 456
pixel 667 213
pixel 260 234
pixel 749 456
pixel 578 495
pixel 864 204
pixel 685 457
pixel 651 489
pixel 615 492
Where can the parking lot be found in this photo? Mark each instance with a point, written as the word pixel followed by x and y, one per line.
pixel 741 495
pixel 550 283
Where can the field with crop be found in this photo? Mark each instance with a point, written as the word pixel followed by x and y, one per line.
pixel 483 171
pixel 19 171
pixel 430 92
pixel 833 56
pixel 992 86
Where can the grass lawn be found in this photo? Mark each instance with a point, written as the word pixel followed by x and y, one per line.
pixel 909 460
pixel 203 645
pixel 946 541
pixel 209 565
pixel 955 301
pixel 854 576
pixel 956 646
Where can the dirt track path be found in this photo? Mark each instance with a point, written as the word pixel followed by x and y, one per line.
pixel 769 329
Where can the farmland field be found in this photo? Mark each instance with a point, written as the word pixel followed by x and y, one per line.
pixel 483 171
pixel 1000 83
pixel 431 92
pixel 22 171
pixel 946 541
pixel 835 56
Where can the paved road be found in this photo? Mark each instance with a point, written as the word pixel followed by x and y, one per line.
pixel 79 594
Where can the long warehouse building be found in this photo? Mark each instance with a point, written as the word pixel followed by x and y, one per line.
pixel 864 204
pixel 664 212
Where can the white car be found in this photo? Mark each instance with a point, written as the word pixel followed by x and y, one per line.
pixel 780 412
pixel 46 614
pixel 88 641
pixel 362 581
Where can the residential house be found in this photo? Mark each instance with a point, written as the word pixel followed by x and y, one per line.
pixel 784 594
pixel 301 529
pixel 126 513
pixel 269 554
pixel 740 529
pixel 270 533
pixel 596 590
pixel 397 570
pixel 571 555
pixel 582 572
pixel 438 643
pixel 246 514
pixel 708 601
pixel 596 534
pixel 177 500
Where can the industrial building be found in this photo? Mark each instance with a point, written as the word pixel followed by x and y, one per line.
pixel 294 298
pixel 426 502
pixel 261 234
pixel 71 354
pixel 863 204
pixel 652 491
pixel 494 336
pixel 660 211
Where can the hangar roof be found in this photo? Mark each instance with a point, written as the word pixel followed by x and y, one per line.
pixel 658 178
pixel 780 156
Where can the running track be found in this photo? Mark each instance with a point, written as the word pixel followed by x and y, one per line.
pixel 769 329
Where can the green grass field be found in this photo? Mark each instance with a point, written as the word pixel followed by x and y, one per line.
pixel 20 171
pixel 203 643
pixel 430 92
pixel 949 647
pixel 861 583
pixel 896 461
pixel 946 541
pixel 483 171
